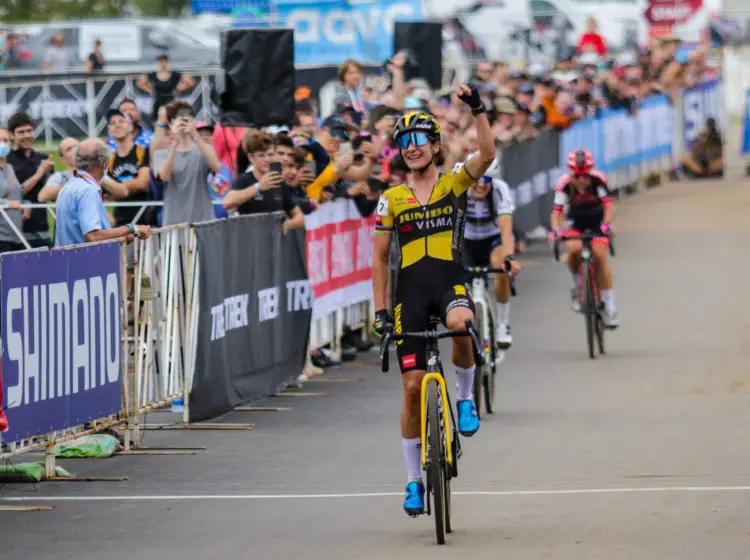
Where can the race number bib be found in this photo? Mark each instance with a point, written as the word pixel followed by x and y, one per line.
pixel 382 206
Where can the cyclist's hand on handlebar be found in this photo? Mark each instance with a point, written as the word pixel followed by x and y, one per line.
pixel 383 322
pixel 554 235
pixel 606 229
pixel 515 268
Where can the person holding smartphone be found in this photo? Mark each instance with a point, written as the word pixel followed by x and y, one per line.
pixel 261 188
pixel 184 169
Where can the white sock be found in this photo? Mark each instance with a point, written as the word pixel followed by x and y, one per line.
pixel 413 458
pixel 608 297
pixel 503 313
pixel 465 383
pixel 574 275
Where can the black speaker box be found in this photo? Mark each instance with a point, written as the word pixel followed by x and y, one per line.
pixel 258 77
pixel 425 42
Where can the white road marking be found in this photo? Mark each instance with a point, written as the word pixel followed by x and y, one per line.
pixel 678 489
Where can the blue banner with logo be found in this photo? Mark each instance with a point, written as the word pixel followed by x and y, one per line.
pixel 329 32
pixel 62 332
pixel 746 125
pixel 619 140
pixel 699 103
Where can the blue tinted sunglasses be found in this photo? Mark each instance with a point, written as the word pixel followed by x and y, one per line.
pixel 416 138
pixel 338 133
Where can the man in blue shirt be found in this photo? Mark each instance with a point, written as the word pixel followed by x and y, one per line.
pixel 81 216
pixel 141 136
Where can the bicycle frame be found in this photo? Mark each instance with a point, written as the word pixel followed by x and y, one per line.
pixel 432 337
pixel 483 308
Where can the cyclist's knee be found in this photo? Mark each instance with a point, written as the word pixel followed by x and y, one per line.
pixel 457 317
pixel 413 385
pixel 600 251
pixel 573 247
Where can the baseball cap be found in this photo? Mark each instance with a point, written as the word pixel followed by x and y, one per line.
pixel 200 125
pixel 518 75
pixel 505 106
pixel 335 121
pixel 526 88
pixel 117 113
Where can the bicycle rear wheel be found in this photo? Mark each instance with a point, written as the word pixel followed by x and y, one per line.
pixel 589 308
pixel 437 458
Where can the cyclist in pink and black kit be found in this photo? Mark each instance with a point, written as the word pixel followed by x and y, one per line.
pixel 583 196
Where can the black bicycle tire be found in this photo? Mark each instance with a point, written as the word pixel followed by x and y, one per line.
pixel 478 375
pixel 588 309
pixel 600 330
pixel 435 450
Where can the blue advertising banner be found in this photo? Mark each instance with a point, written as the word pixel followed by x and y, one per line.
pixel 699 103
pixel 259 7
pixel 618 140
pixel 746 125
pixel 329 32
pixel 62 330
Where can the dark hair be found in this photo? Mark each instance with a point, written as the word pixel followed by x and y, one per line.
pixel 128 100
pixel 282 139
pixel 256 141
pixel 299 157
pixel 17 120
pixel 304 106
pixel 175 107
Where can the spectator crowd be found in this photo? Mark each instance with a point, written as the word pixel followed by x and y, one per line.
pixel 202 171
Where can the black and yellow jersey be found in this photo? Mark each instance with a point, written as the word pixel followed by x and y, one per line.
pixel 431 231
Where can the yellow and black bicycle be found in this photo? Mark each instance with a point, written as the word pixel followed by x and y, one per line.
pixel 441 447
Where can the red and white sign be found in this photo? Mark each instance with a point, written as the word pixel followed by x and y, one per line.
pixel 668 13
pixel 339 256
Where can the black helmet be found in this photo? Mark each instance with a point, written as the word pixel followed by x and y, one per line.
pixel 418 121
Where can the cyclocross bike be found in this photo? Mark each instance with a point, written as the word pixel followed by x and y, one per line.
pixel 589 297
pixel 441 447
pixel 484 381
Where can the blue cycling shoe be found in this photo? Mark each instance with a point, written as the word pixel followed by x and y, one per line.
pixel 414 501
pixel 468 421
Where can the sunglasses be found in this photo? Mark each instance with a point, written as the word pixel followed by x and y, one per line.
pixel 415 138
pixel 338 133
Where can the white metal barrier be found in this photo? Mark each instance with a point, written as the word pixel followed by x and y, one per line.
pixel 165 292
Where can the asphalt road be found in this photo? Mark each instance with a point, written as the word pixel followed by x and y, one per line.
pixel 640 454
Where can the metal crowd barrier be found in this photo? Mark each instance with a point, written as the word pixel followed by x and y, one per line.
pixel 45 374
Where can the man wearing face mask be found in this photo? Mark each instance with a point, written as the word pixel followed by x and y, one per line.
pixel 81 216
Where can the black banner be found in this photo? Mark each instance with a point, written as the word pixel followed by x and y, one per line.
pixel 67 104
pixel 255 312
pixel 531 169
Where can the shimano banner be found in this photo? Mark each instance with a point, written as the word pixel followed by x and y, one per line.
pixel 532 169
pixel 62 333
pixel 255 311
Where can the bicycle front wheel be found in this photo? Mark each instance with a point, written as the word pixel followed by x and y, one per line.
pixel 437 458
pixel 478 376
pixel 589 308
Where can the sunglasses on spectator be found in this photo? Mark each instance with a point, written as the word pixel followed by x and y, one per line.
pixel 415 138
pixel 338 133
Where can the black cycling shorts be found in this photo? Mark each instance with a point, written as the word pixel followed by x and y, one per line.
pixel 477 251
pixel 413 308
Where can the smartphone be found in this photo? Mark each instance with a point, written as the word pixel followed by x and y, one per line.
pixel 310 166
pixel 345 149
pixel 185 113
pixel 275 166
